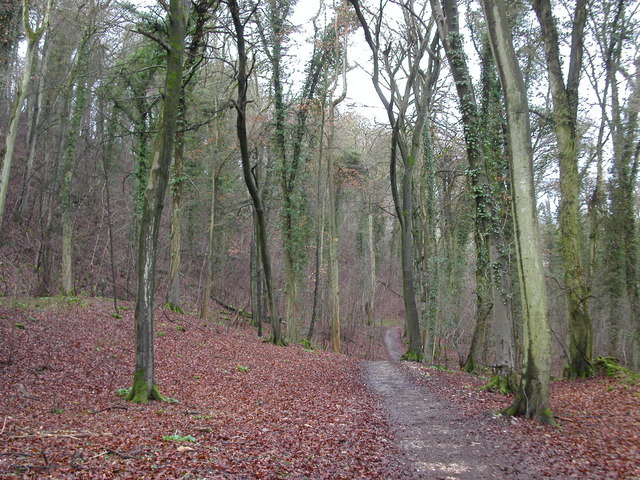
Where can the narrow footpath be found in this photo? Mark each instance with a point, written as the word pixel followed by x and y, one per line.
pixel 436 441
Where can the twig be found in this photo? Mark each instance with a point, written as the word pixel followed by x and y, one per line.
pixel 113 407
pixel 4 424
pixel 563 419
pixel 44 456
pixel 134 454
pixel 69 434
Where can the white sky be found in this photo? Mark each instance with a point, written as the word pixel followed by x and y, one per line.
pixel 361 96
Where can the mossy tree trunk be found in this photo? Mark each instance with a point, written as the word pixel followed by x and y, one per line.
pixel 273 36
pixel 621 227
pixel 321 195
pixel 10 20
pixel 447 19
pixel 175 236
pixel 493 128
pixel 338 46
pixel 207 289
pixel 203 10
pixel 532 398
pixel 144 385
pixel 35 124
pixel 429 268
pixel 565 105
pixel 332 220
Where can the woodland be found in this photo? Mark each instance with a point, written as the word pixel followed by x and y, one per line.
pixel 235 199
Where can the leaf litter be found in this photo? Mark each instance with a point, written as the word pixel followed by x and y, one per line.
pixel 254 410
pixel 287 413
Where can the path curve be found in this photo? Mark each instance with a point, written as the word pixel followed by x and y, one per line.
pixel 437 442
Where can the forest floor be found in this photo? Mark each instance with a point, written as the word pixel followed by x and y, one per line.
pixel 249 410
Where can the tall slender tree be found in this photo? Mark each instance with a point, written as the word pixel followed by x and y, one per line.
pixel 447 19
pixel 565 108
pixel 405 142
pixel 144 383
pixel 243 140
pixel 201 13
pixel 77 87
pixel 532 398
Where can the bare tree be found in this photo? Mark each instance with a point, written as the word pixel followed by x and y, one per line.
pixel 241 127
pixel 532 398
pixel 389 60
pixel 144 383
pixel 34 34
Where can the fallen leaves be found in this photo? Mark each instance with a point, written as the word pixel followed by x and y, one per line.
pixel 248 408
pixel 253 410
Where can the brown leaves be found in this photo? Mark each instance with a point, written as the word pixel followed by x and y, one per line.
pixel 288 412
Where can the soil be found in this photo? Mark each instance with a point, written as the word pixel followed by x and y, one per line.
pixel 437 441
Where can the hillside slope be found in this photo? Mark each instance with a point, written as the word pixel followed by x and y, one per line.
pixel 247 409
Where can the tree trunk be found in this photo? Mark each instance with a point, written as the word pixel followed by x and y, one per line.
pixel 396 106
pixel 67 165
pixel 34 130
pixel 321 192
pixel 429 282
pixel 173 297
pixel 492 128
pixel 565 118
pixel 370 302
pixel 33 37
pixel 144 384
pixel 334 285
pixel 532 399
pixel 257 279
pixel 9 38
pixel 447 19
pixel 241 127
pixel 207 290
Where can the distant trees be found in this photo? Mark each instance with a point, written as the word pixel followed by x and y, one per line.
pixel 390 62
pixel 34 34
pixel 416 218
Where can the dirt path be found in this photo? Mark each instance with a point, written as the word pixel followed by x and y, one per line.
pixel 437 442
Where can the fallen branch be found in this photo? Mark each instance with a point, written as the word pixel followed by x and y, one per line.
pixel 63 434
pixel 233 309
pixel 4 424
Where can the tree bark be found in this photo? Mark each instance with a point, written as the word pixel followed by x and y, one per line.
pixel 241 128
pixel 175 236
pixel 203 10
pixel 565 101
pixel 144 384
pixel 68 162
pixel 447 19
pixel 207 290
pixel 532 399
